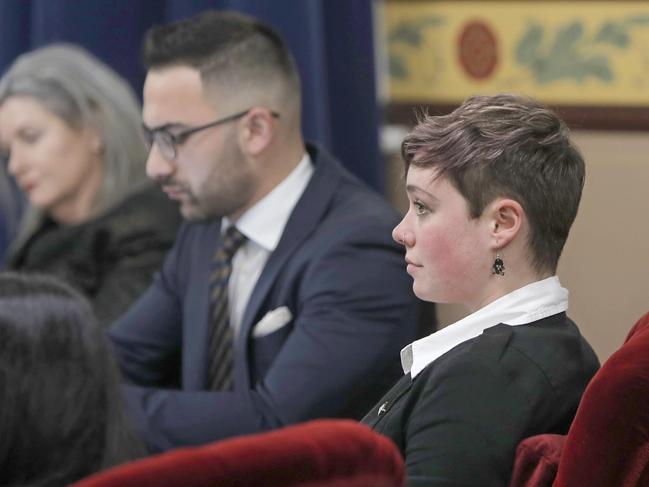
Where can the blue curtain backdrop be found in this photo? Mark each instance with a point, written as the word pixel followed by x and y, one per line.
pixel 332 41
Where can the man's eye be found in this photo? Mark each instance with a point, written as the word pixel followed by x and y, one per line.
pixel 174 138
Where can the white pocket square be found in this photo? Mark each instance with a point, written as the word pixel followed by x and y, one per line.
pixel 272 321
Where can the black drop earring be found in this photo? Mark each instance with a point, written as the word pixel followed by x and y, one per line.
pixel 499 266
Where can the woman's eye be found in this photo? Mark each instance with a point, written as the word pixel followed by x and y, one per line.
pixel 30 135
pixel 419 208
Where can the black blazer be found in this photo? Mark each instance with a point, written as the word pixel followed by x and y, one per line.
pixel 459 421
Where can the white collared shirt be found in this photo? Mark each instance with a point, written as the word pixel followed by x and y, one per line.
pixel 263 225
pixel 530 303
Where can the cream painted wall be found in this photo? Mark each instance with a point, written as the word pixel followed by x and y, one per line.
pixel 605 263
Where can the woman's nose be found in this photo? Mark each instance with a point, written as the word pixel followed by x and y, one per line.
pixel 401 235
pixel 14 163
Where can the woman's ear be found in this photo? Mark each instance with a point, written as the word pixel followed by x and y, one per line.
pixel 258 130
pixel 506 218
pixel 96 140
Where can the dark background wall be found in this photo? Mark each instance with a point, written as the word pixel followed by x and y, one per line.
pixel 332 41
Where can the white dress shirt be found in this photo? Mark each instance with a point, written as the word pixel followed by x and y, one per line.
pixel 263 225
pixel 529 303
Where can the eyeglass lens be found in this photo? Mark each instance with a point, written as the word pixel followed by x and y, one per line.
pixel 162 139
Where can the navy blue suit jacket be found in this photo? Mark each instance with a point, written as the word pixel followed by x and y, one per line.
pixel 342 277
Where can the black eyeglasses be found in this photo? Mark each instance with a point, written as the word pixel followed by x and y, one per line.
pixel 167 142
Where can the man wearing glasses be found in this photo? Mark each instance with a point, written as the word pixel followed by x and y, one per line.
pixel 284 298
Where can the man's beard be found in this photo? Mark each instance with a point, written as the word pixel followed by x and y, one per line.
pixel 225 190
pixel 212 204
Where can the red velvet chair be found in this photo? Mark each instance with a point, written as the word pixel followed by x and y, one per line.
pixel 322 453
pixel 608 441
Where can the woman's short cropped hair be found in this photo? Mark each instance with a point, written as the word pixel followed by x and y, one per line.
pixel 510 146
pixel 61 414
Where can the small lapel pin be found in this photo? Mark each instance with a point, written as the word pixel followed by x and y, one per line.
pixel 383 408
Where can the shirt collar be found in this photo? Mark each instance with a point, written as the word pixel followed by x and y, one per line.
pixel 530 303
pixel 264 223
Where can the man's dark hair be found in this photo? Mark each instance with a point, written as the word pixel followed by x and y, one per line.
pixel 507 146
pixel 61 416
pixel 226 47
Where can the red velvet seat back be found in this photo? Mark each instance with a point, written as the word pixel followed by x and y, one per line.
pixel 323 453
pixel 537 461
pixel 608 441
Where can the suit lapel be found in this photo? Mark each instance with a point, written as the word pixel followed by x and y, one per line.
pixel 306 216
pixel 198 313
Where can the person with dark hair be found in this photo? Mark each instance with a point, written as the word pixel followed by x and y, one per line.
pixel 61 415
pixel 283 299
pixel 493 188
pixel 70 129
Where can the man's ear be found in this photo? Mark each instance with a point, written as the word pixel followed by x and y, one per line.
pixel 258 130
pixel 505 217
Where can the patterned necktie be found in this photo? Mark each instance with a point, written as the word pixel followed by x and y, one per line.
pixel 220 359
